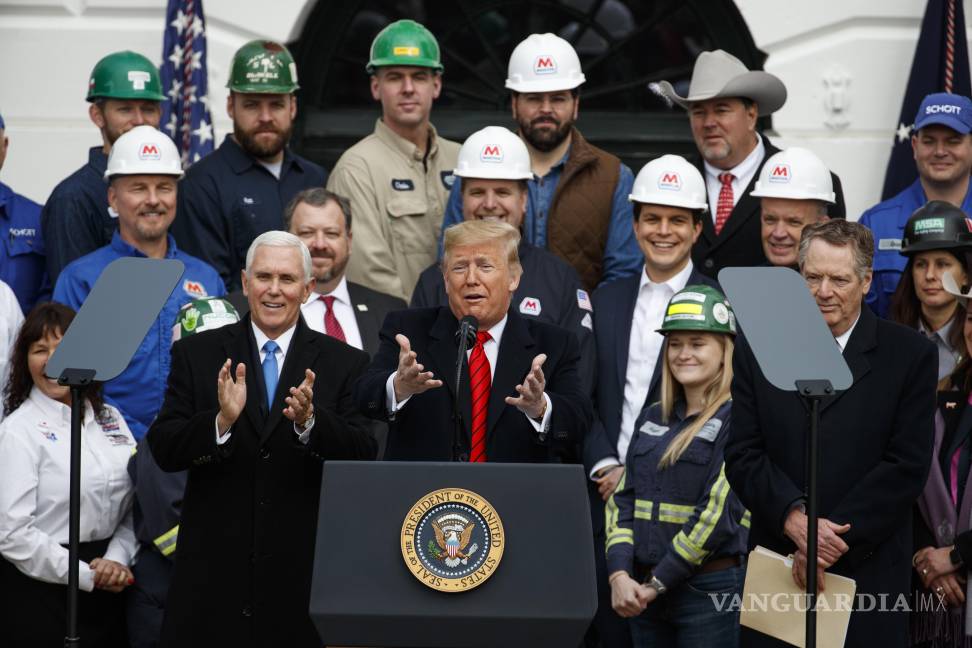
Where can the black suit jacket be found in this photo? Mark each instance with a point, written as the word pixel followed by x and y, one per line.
pixel 249 518
pixel 423 429
pixel 875 445
pixel 370 308
pixel 614 305
pixel 739 243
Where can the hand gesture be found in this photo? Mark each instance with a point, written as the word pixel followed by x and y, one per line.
pixel 411 377
pixel 300 403
pixel 799 571
pixel 608 481
pixel 232 395
pixel 830 547
pixel 628 598
pixel 950 589
pixel 932 564
pixel 530 400
pixel 110 575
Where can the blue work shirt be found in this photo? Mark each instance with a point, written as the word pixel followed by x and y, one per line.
pixel 75 219
pixel 228 198
pixel 22 264
pixel 887 220
pixel 622 256
pixel 139 390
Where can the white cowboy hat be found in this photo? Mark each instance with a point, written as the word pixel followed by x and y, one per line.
pixel 720 74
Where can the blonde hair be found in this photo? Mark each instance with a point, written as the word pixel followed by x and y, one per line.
pixel 715 395
pixel 477 232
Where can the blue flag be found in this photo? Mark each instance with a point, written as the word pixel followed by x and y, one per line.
pixel 941 64
pixel 185 116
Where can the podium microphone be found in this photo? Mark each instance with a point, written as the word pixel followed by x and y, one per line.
pixel 466 336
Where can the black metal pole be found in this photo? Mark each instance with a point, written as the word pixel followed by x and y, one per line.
pixel 811 630
pixel 74 519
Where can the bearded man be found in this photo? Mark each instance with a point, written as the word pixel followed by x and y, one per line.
pixel 238 192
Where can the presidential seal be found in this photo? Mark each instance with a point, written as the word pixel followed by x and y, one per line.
pixel 452 540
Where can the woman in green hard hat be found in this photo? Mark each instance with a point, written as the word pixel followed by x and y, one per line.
pixel 936 240
pixel 675 531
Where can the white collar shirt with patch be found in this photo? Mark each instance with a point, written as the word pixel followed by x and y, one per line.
pixel 35 454
pixel 314 311
pixel 743 174
pixel 644 345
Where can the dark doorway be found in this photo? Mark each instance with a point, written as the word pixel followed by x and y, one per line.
pixel 624 46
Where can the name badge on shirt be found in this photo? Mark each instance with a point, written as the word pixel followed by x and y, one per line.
pixel 107 421
pixel 118 439
pixel 403 185
pixel 710 430
pixel 889 244
pixel 448 179
pixel 46 431
pixel 653 429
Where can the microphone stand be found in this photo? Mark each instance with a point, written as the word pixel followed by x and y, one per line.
pixel 465 332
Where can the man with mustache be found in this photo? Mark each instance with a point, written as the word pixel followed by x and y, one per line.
pixel 942 143
pixel 124 91
pixel 143 172
pixel 578 200
pixel 723 102
pixel 239 191
pixel 398 177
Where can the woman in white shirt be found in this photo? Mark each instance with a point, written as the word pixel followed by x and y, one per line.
pixel 35 441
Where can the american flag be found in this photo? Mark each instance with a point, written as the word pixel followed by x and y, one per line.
pixel 186 117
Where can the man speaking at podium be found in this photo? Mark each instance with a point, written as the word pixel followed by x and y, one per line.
pixel 520 397
pixel 251 411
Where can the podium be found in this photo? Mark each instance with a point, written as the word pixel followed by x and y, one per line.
pixel 541 592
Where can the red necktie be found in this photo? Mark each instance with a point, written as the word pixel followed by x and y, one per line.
pixel 479 383
pixel 331 325
pixel 724 206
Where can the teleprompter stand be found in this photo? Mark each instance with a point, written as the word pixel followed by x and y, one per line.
pixel 814 368
pixel 98 345
pixel 542 594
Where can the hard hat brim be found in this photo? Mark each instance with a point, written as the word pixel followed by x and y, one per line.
pixel 421 62
pixel 545 85
pixel 759 192
pixel 666 201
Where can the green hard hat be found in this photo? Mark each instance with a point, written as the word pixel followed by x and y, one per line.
pixel 125 75
pixel 699 308
pixel 404 42
pixel 263 66
pixel 937 225
pixel 203 315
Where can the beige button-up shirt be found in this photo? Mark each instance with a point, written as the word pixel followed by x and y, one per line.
pixel 397 201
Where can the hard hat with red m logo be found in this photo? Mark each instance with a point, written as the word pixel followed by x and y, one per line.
pixel 544 63
pixel 143 151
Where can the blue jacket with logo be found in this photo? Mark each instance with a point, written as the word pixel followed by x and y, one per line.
pixel 75 219
pixel 228 198
pixel 22 249
pixel 887 221
pixel 139 390
pixel 676 519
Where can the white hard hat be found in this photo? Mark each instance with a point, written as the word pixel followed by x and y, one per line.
pixel 670 180
pixel 795 173
pixel 494 153
pixel 544 63
pixel 144 151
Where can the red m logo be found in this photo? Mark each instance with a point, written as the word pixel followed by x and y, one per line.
pixel 150 149
pixel 545 62
pixel 670 178
pixel 781 171
pixel 491 150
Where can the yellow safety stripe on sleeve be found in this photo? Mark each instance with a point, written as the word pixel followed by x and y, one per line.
pixel 611 511
pixel 166 543
pixel 745 519
pixel 691 546
pixel 622 536
pixel 713 510
pixel 674 513
pixel 642 510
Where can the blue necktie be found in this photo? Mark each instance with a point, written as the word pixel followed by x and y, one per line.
pixel 270 370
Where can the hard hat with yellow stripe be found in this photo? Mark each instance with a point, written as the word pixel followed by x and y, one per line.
pixel 699 308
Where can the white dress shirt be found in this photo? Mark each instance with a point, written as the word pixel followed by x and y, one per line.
pixel 644 344
pixel 314 311
pixel 10 320
pixel 283 343
pixel 742 175
pixel 491 349
pixel 35 463
pixel 845 336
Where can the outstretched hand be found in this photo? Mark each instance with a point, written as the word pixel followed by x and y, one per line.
pixel 530 400
pixel 411 377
